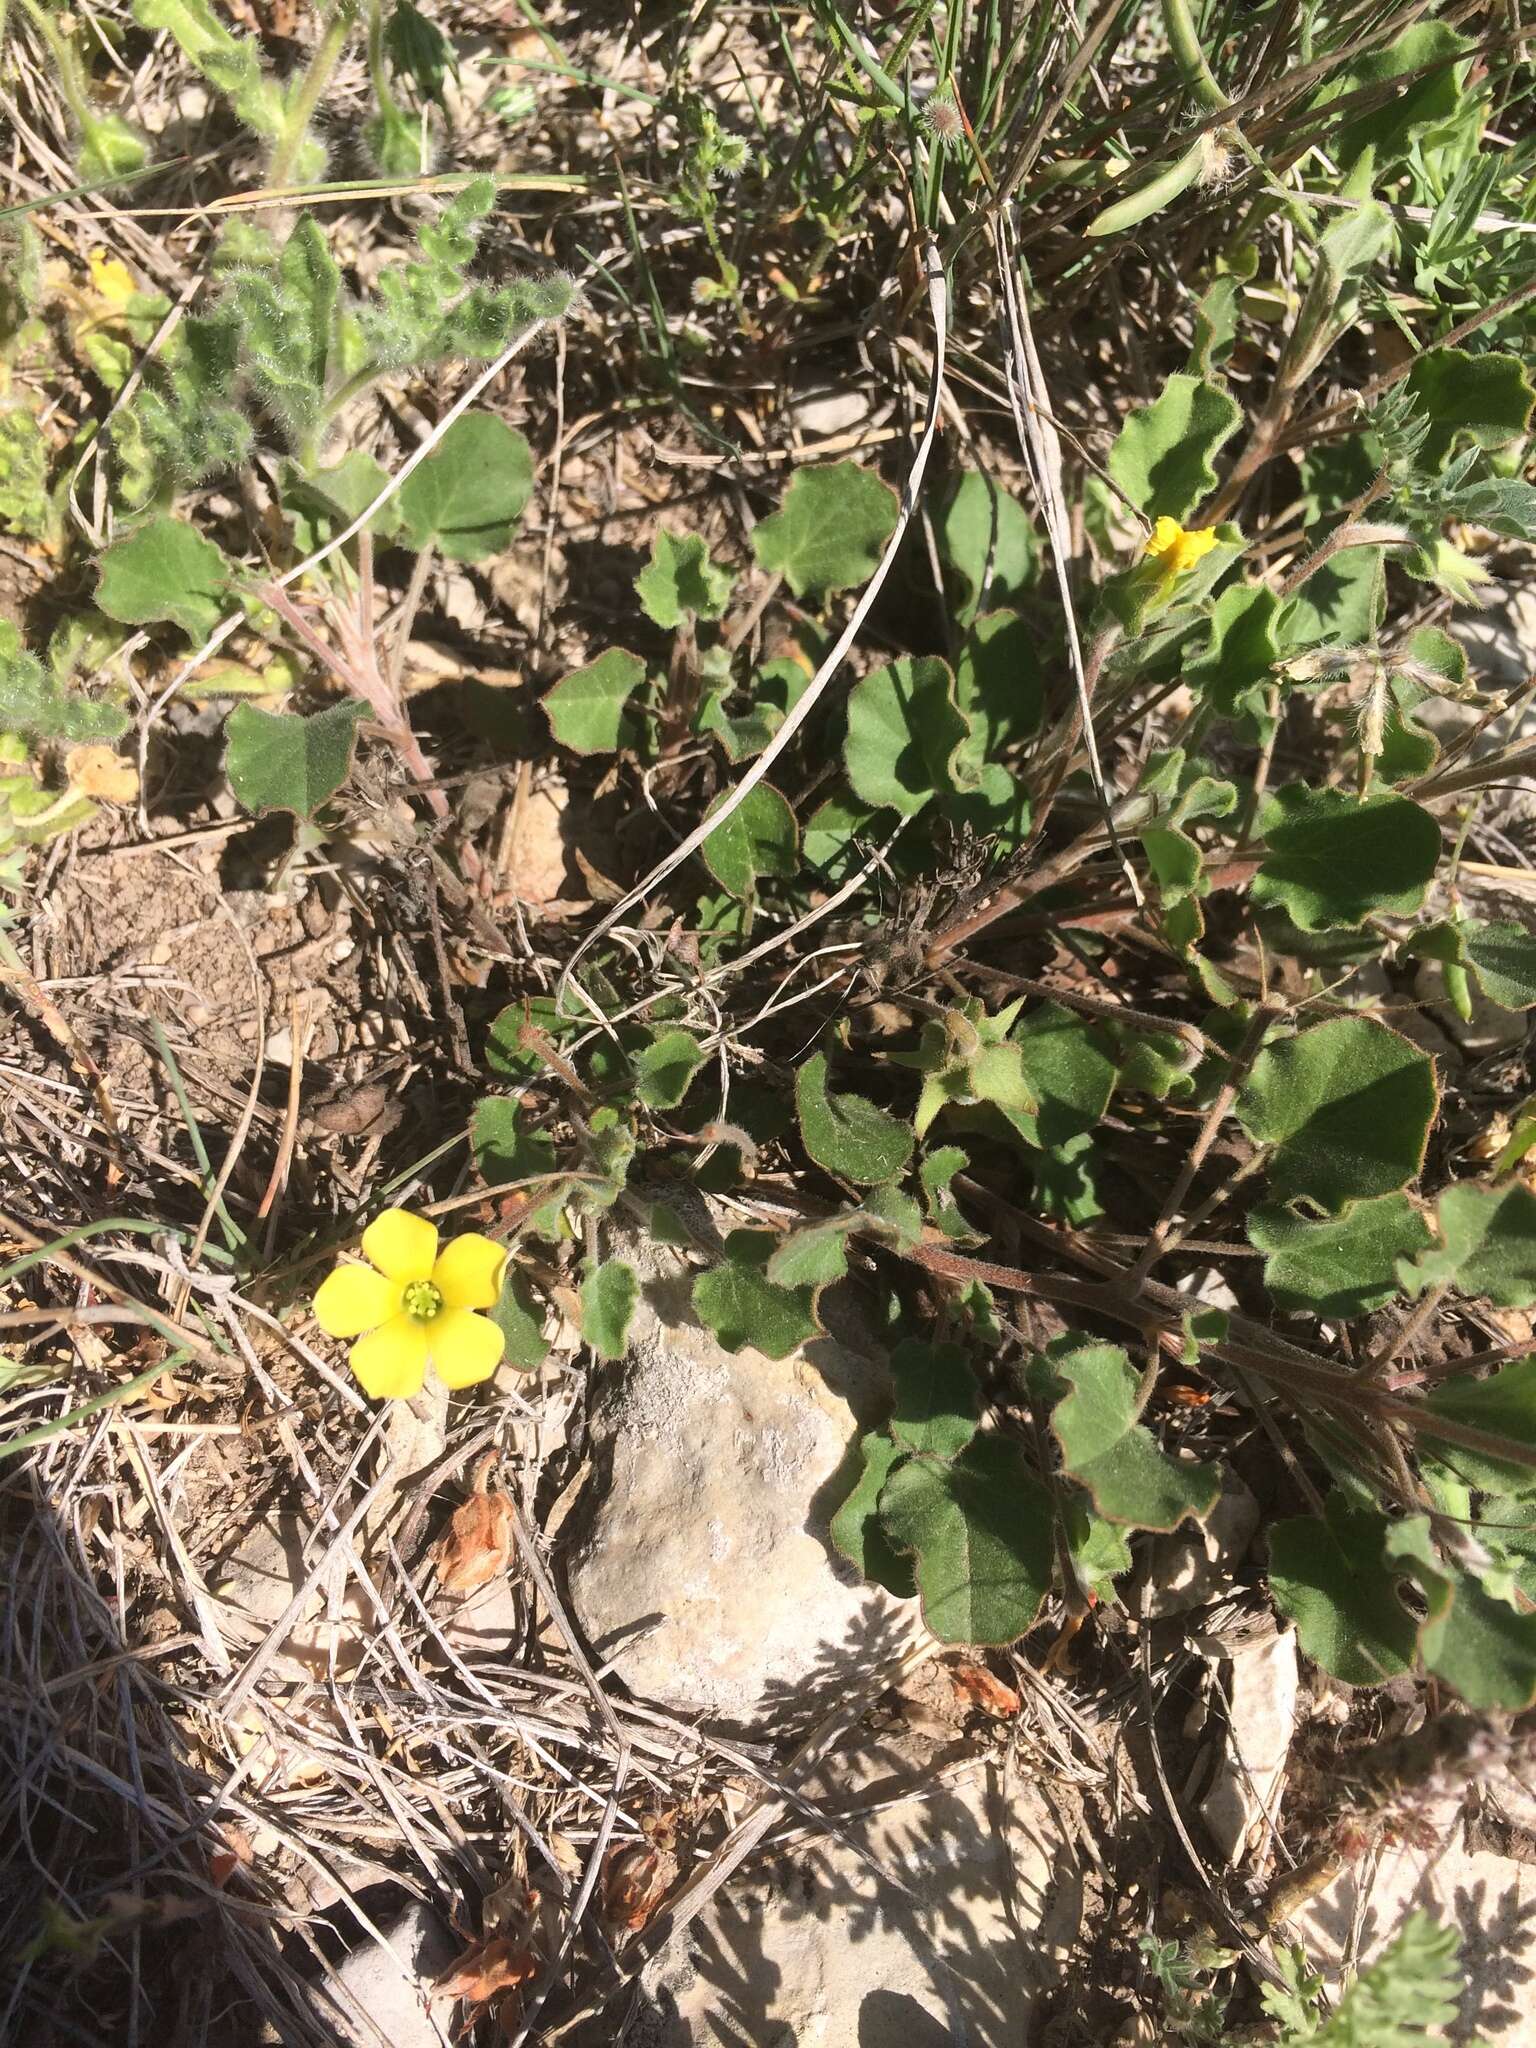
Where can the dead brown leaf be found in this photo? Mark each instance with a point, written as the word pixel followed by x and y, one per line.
pixel 487 1969
pixel 984 1689
pixel 636 1878
pixel 478 1545
pixel 99 772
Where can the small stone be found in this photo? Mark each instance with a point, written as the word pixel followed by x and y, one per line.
pixel 381 1993
pixel 1260 1678
pixel 929 1921
pixel 707 1579
pixel 1196 1562
pixel 257 1583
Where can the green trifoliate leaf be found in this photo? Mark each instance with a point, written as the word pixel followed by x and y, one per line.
pixel 278 761
pixel 586 709
pixel 520 1320
pixel 165 570
pixel 937 1401
pixel 608 1297
pixel 1388 122
pixel 978 1529
pixel 845 1134
pixel 505 1146
pixel 988 544
pixel 830 530
pixel 1501 958
pixel 1347 1106
pixel 681 581
pixel 1328 1577
pixel 1094 1389
pixel 1483 1647
pixel 1503 1406
pixel 665 1068
pixel 1486 1249
pixel 907 737
pixel 738 1301
pixel 1337 1266
pixel 1485 398
pixel 469 494
pixel 1162 457
pixel 856 1528
pixel 760 837
pixel 1333 861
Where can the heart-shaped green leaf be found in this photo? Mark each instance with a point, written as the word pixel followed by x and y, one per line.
pixel 846 1134
pixel 1095 1395
pixel 469 493
pixel 830 530
pixel 1337 1266
pixel 608 1297
pixel 586 709
pixel 1487 1246
pixel 278 761
pixel 978 1528
pixel 760 837
pixel 1347 1106
pixel 1162 457
pixel 738 1301
pixel 1329 1578
pixel 681 581
pixel 937 1400
pixel 907 735
pixel 165 570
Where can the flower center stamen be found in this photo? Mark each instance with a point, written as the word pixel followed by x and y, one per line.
pixel 422 1300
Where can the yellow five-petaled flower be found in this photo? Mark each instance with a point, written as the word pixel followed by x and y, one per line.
pixel 1178 547
pixel 413 1306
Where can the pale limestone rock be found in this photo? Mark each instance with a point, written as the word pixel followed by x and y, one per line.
pixel 1195 1563
pixel 940 1918
pixel 705 1577
pixel 381 1996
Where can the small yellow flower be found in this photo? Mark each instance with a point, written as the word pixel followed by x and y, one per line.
pixel 113 280
pixel 1179 548
pixel 413 1306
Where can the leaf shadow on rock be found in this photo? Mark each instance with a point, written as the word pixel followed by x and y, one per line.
pixel 932 1906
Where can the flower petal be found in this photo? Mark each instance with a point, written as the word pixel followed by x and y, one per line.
pixel 354 1299
pixel 391 1363
pixel 1165 536
pixel 466 1348
pixel 468 1271
pixel 401 1245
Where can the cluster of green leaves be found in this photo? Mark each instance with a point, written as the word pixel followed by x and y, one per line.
pixel 286 344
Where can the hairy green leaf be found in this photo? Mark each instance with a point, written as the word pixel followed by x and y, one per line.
pixel 1337 1266
pixel 937 1400
pixel 165 570
pixel 856 1528
pixel 1487 1246
pixel 978 1529
pixel 1162 457
pixel 987 542
pixel 760 837
pixel 469 494
pixel 520 1320
pixel 830 530
pixel 1503 1406
pixel 665 1068
pixel 738 1301
pixel 846 1134
pixel 681 581
pixel 609 1294
pixel 505 1146
pixel 1329 1578
pixel 1094 1391
pixel 906 735
pixel 1347 1106
pixel 1398 112
pixel 1334 861
pixel 586 709
pixel 278 761
pixel 1488 398
pixel 1484 1647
